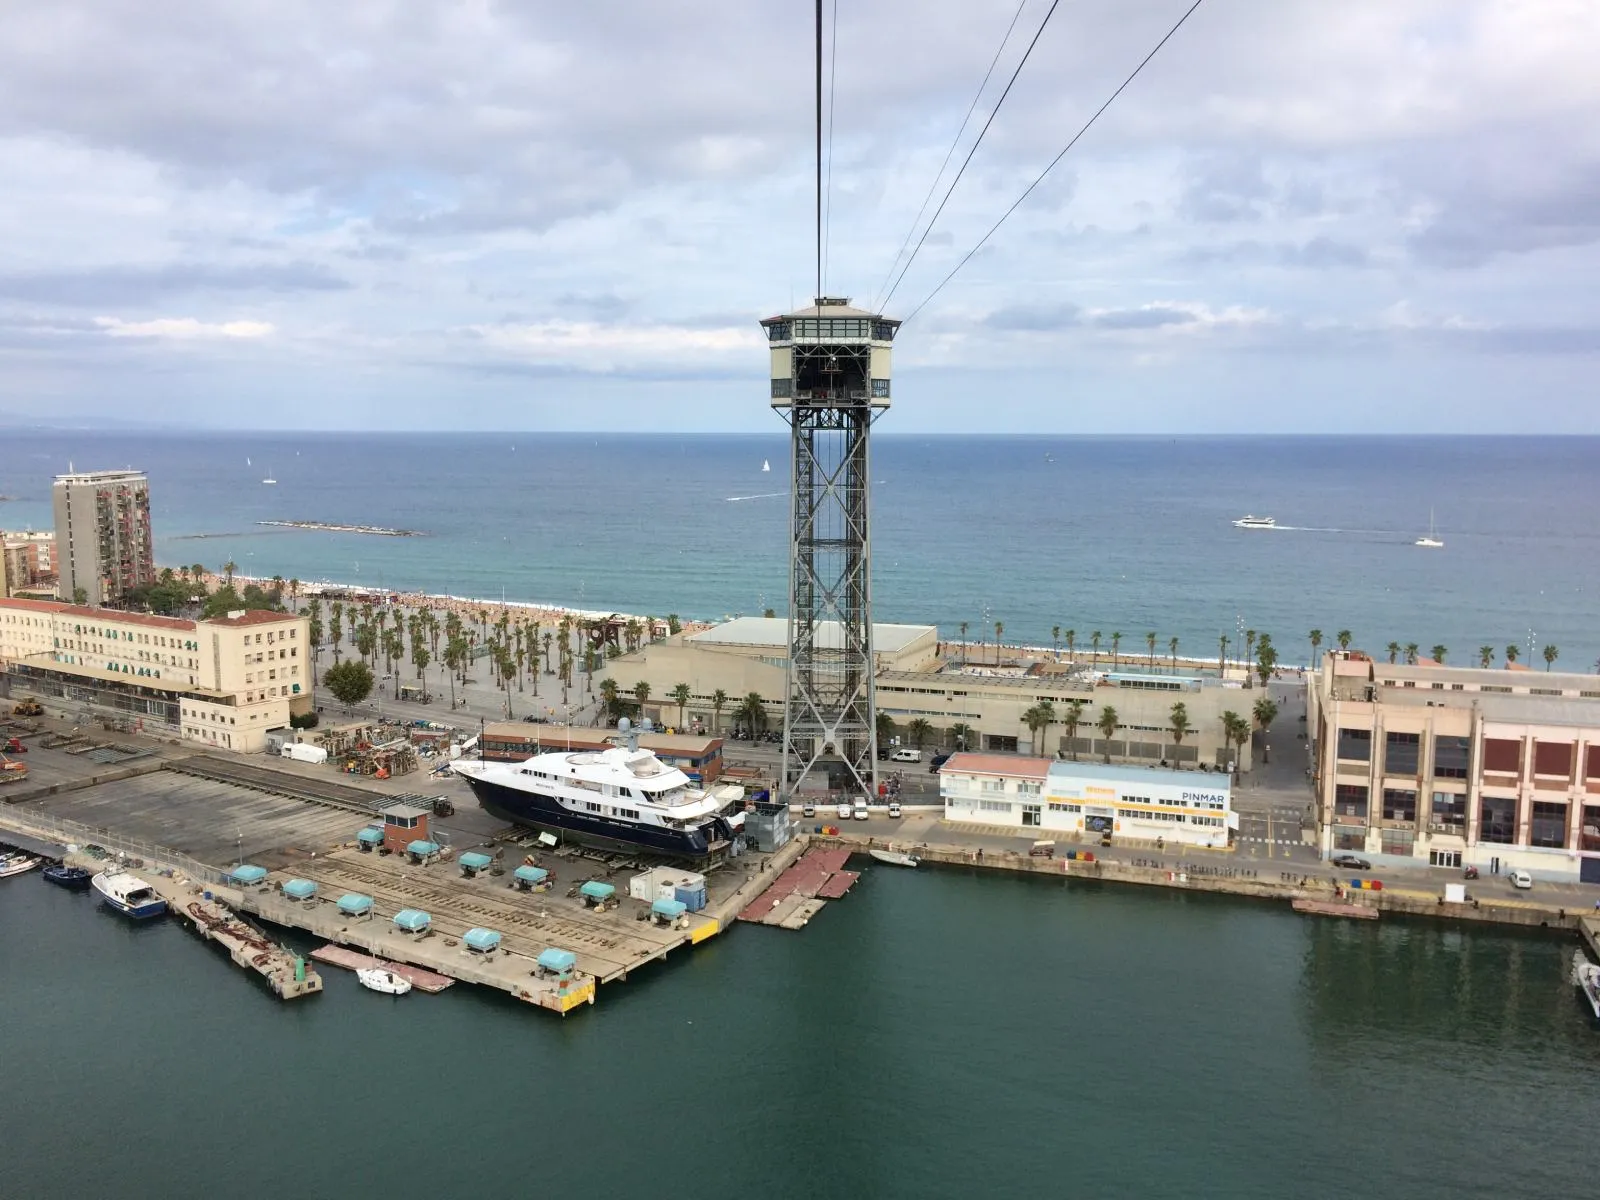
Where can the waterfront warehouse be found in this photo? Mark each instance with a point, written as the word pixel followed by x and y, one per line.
pixel 1088 801
pixel 1494 768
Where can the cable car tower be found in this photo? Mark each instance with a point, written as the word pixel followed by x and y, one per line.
pixel 830 381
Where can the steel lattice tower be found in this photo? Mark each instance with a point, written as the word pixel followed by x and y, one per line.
pixel 830 381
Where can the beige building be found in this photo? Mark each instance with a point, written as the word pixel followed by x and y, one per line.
pixel 223 682
pixel 28 562
pixel 1458 766
pixel 915 680
pixel 103 540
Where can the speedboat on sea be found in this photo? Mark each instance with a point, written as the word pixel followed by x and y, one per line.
pixel 381 979
pixel 619 797
pixel 128 895
pixel 1587 976
pixel 74 878
pixel 895 858
pixel 1250 522
pixel 16 864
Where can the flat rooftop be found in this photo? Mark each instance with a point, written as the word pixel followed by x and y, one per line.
pixel 773 632
pixel 1093 772
pixel 1021 766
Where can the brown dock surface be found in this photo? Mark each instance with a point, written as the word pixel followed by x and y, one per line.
pixel 421 978
pixel 798 894
pixel 1335 908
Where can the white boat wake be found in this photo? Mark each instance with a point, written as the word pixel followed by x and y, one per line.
pixel 757 496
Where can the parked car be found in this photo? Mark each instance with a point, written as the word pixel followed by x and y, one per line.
pixel 894 809
pixel 906 754
pixel 937 761
pixel 860 810
pixel 1351 862
pixel 808 809
pixel 845 810
pixel 1520 879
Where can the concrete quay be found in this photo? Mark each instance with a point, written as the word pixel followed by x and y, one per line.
pixel 1287 887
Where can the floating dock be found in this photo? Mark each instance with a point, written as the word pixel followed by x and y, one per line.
pixel 801 892
pixel 1335 908
pixel 421 979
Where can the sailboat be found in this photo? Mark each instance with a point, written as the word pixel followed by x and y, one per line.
pixel 765 465
pixel 1432 540
pixel 269 478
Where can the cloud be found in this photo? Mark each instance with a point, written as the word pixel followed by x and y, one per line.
pixel 122 285
pixel 183 328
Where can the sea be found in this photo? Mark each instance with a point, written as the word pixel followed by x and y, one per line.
pixel 936 1033
pixel 1129 535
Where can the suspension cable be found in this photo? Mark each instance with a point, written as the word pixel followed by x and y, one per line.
pixel 833 75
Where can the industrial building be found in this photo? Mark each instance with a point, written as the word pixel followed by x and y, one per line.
pixel 222 682
pixel 1457 766
pixel 917 679
pixel 1088 801
pixel 103 541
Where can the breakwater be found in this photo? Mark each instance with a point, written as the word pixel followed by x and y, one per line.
pixel 334 527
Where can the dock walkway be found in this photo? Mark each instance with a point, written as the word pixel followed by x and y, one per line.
pixel 800 892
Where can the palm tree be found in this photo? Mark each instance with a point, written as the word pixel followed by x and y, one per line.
pixel 884 725
pixel 228 568
pixel 336 626
pixel 608 695
pixel 719 700
pixel 1116 641
pixel 1343 638
pixel 1411 654
pixel 294 592
pixel 1222 655
pixel 1485 656
pixel 680 697
pixel 753 710
pixel 1438 653
pixel 1071 637
pixel 1038 719
pixel 1172 649
pixel 1266 659
pixel 1551 653
pixel 1265 712
pixel 1107 724
pixel 963 643
pixel 918 729
pixel 1394 652
pixel 1178 722
pixel 1235 730
pixel 1150 644
pixel 419 655
pixel 1249 652
pixel 1316 642
pixel 1055 640
pixel 998 630
pixel 1511 654
pixel 1072 720
pixel 1094 640
pixel 961 733
pixel 314 632
pixel 641 693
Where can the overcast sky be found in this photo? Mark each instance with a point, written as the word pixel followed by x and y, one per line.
pixel 1306 215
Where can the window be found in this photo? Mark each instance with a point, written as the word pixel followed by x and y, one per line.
pixel 1400 753
pixel 1449 757
pixel 1444 858
pixel 1502 756
pixel 1549 824
pixel 1497 820
pixel 1064 808
pixel 996 806
pixel 1399 804
pixel 880 389
pixel 1449 812
pixel 1350 800
pixel 1553 758
pixel 1355 745
pixel 781 389
pixel 1030 814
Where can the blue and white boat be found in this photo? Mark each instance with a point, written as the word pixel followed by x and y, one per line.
pixel 623 797
pixel 73 878
pixel 129 895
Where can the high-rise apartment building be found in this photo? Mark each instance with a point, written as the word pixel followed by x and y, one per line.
pixel 103 540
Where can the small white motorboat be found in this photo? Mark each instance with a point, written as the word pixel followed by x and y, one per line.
pixel 895 858
pixel 381 979
pixel 16 864
pixel 1251 521
pixel 1587 977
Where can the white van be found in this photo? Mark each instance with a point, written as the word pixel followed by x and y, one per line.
pixel 844 810
pixel 860 810
pixel 906 754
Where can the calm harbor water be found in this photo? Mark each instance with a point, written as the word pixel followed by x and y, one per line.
pixel 1115 534
pixel 934 1034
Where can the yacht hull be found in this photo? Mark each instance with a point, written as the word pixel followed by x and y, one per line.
pixel 544 812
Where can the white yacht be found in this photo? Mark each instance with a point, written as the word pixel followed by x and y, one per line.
pixel 620 796
pixel 1587 976
pixel 16 864
pixel 1250 522
pixel 381 979
pixel 1433 540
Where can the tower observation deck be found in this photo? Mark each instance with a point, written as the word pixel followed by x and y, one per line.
pixel 830 381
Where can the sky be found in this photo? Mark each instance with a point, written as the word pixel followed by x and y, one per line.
pixel 1303 216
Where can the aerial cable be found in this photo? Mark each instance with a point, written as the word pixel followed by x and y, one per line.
pixel 1037 33
pixel 818 292
pixel 833 74
pixel 1018 202
pixel 956 141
